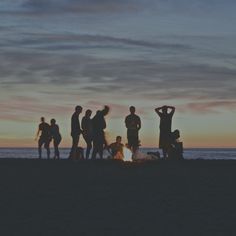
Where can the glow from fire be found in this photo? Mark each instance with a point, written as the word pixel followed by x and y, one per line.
pixel 127 154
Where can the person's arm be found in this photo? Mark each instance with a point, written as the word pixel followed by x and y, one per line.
pixel 108 148
pixel 80 130
pixel 105 110
pixel 158 111
pixel 83 126
pixel 37 134
pixel 72 125
pixel 139 123
pixel 126 122
pixel 58 129
pixel 172 110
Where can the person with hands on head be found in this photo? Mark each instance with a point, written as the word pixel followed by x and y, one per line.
pixel 165 127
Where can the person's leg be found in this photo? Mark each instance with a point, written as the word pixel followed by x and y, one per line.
pixel 164 153
pixel 46 146
pixel 88 141
pixel 58 143
pixel 75 142
pixel 129 141
pixel 131 144
pixel 56 150
pixel 40 143
pixel 95 147
pixel 102 144
pixel 95 151
pixel 135 143
pixel 100 150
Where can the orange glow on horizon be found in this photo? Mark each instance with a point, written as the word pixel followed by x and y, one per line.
pixel 189 141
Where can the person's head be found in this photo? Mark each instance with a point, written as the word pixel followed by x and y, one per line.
pixel 118 139
pixel 176 134
pixel 132 109
pixel 78 109
pixel 88 113
pixel 42 119
pixel 53 121
pixel 164 109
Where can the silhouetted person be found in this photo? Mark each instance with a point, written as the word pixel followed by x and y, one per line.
pixel 99 140
pixel 87 128
pixel 75 131
pixel 45 137
pixel 56 136
pixel 116 149
pixel 133 125
pixel 165 127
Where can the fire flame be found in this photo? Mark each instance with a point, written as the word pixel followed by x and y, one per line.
pixel 127 154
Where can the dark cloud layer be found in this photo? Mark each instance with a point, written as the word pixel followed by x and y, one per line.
pixel 80 6
pixel 77 41
pixel 114 6
pixel 145 78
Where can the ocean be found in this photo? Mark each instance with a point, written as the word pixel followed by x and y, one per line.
pixel 189 153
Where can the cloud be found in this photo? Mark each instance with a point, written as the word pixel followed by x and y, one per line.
pixel 208 107
pixel 80 6
pixel 147 79
pixel 58 42
pixel 161 7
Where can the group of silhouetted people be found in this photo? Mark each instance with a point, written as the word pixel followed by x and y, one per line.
pixel 48 133
pixel 92 130
pixel 168 140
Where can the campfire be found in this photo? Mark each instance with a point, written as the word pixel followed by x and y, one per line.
pixel 127 154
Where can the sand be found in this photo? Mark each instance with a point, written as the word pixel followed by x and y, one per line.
pixel 40 197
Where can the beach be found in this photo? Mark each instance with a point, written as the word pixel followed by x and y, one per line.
pixel 188 197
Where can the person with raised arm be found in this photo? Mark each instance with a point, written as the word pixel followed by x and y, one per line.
pixel 165 127
pixel 99 140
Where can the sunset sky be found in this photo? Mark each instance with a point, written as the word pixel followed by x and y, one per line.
pixel 56 54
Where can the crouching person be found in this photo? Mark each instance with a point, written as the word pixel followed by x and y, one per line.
pixel 175 152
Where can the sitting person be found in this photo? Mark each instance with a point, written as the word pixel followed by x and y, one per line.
pixel 175 151
pixel 78 155
pixel 116 149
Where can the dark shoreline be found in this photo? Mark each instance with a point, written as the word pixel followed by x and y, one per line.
pixel 190 197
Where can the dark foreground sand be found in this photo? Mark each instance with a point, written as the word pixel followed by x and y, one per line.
pixel 115 198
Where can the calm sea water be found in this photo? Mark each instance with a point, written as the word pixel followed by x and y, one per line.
pixel 191 153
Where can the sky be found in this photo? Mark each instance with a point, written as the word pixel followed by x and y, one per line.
pixel 56 54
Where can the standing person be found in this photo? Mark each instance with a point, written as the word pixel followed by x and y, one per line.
pixel 165 127
pixel 99 140
pixel 87 128
pixel 45 137
pixel 133 125
pixel 75 131
pixel 56 136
